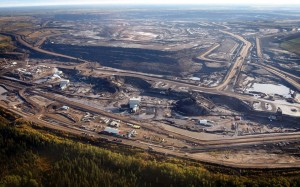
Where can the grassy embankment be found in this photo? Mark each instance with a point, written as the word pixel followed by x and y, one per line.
pixel 33 156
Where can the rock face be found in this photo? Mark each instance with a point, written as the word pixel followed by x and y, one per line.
pixel 190 107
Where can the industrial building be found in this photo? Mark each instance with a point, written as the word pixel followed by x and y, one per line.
pixel 64 108
pixel 134 103
pixel 206 122
pixel 64 83
pixel 114 124
pixel 112 131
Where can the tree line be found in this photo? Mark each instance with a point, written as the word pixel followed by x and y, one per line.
pixel 34 157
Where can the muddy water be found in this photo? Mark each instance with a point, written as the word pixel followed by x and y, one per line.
pixel 2 90
pixel 271 89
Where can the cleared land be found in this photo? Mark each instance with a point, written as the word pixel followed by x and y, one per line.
pixel 292 45
pixel 6 43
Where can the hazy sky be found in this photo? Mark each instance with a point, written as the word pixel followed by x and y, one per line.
pixel 8 3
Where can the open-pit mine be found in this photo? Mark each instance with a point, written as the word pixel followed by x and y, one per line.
pixel 217 87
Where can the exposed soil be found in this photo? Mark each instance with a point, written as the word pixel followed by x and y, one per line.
pixel 99 84
pixel 190 107
pixel 136 82
pixel 230 102
pixel 144 60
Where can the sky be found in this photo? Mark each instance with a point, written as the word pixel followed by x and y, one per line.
pixel 10 3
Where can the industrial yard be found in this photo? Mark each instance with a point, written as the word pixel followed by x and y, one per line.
pixel 217 90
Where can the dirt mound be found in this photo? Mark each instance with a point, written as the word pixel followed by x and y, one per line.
pixel 190 107
pixel 136 82
pixel 99 84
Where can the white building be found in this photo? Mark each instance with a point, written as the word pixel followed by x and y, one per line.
pixel 57 72
pixel 134 103
pixel 55 76
pixel 206 122
pixel 111 130
pixel 114 124
pixel 195 78
pixel 64 84
pixel 65 107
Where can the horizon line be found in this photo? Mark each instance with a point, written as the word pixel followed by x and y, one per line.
pixel 153 4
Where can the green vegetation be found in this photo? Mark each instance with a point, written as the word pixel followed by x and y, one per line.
pixel 32 156
pixel 291 45
pixel 6 44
